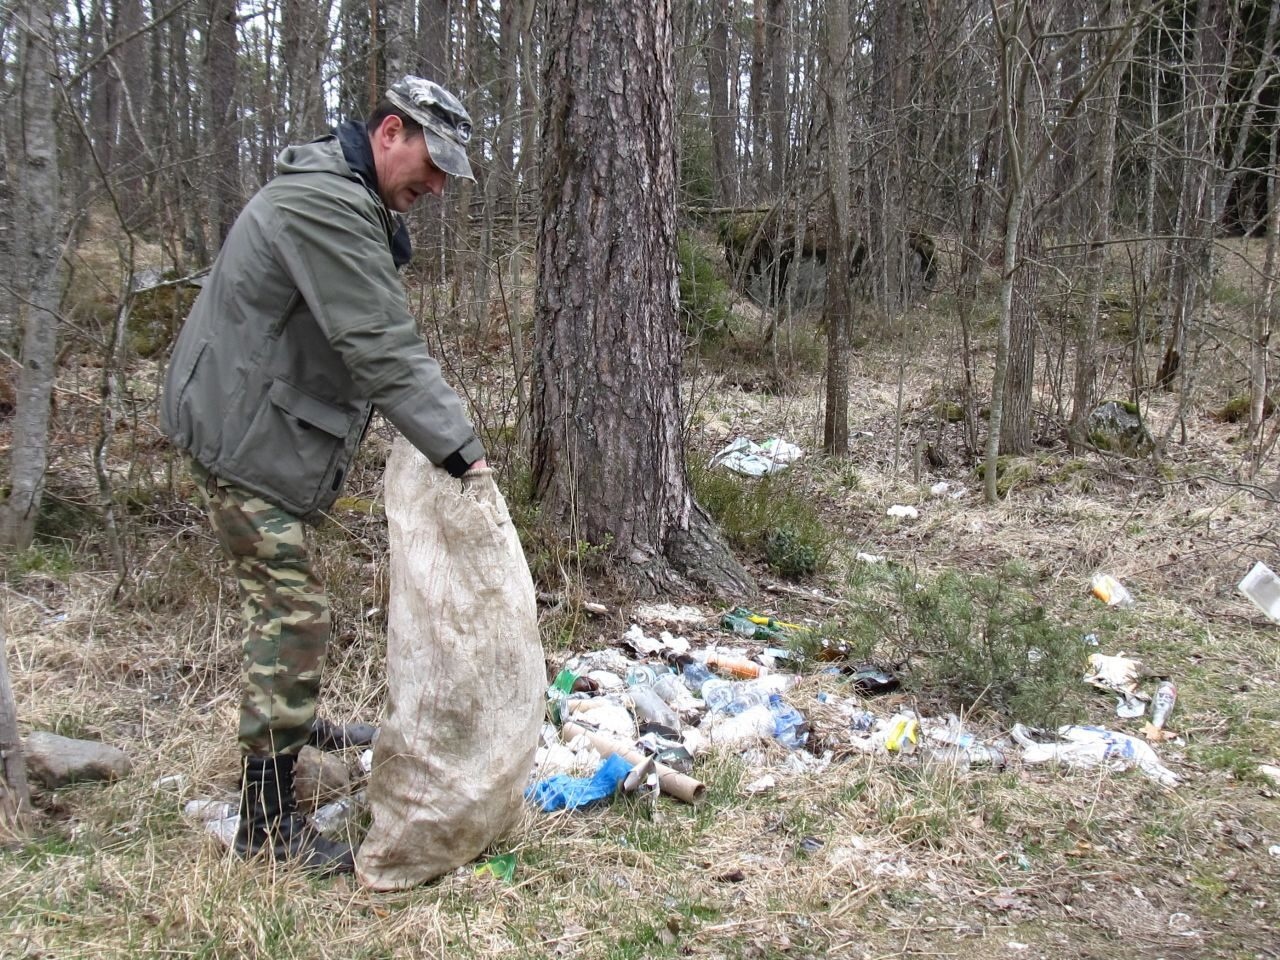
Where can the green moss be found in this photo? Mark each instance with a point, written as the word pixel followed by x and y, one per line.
pixel 1236 410
pixel 156 316
pixel 1010 471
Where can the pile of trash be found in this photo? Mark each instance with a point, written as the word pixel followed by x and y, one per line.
pixel 639 715
pixel 638 719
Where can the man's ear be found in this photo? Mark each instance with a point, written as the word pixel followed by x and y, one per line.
pixel 389 129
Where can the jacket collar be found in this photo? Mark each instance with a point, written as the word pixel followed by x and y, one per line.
pixel 353 136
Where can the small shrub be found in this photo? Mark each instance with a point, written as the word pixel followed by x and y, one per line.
pixel 989 641
pixel 704 296
pixel 790 552
pixel 969 642
pixel 766 518
pixel 49 557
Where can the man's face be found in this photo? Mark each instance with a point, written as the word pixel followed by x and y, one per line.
pixel 405 170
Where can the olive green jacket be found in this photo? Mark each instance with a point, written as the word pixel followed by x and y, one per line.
pixel 301 329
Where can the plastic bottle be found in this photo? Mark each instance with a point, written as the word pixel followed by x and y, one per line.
pixel 333 817
pixel 641 673
pixel 207 810
pixel 747 727
pixel 739 667
pixel 696 674
pixel 1166 696
pixel 788 723
pixel 670 688
pixel 717 694
pixel 726 696
pixel 651 708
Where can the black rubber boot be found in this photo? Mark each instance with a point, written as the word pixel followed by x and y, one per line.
pixel 270 822
pixel 326 735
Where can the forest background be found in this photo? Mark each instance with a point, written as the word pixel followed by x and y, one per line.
pixel 924 241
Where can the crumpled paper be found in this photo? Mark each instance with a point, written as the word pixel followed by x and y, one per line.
pixel 1119 675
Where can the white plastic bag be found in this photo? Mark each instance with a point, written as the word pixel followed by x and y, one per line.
pixel 1083 746
pixel 465 677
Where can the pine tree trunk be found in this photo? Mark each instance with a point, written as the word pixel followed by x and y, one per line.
pixel 835 427
pixel 724 111
pixel 608 464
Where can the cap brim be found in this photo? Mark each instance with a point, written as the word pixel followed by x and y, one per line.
pixel 447 155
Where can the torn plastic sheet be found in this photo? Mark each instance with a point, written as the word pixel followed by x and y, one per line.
pixel 1082 746
pixel 757 460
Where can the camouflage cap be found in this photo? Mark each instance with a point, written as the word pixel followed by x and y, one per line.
pixel 446 125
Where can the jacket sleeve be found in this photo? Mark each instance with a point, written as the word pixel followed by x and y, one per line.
pixel 332 242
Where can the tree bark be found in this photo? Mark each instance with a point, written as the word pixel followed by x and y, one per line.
pixel 397 46
pixel 608 463
pixel 304 37
pixel 1097 231
pixel 15 795
pixel 1258 379
pixel 759 99
pixel 776 53
pixel 835 427
pixel 224 151
pixel 724 111
pixel 37 212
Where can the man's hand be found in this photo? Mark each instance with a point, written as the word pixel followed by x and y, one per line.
pixel 480 464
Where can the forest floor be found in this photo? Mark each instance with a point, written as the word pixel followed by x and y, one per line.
pixel 865 856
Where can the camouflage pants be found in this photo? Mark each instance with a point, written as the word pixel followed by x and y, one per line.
pixel 285 613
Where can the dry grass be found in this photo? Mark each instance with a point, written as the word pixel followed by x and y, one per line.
pixel 863 858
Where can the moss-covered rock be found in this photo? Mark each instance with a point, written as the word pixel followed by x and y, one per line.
pixel 1236 409
pixel 1116 426
pixel 156 315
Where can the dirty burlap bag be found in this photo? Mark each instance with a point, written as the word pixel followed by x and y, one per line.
pixel 465 677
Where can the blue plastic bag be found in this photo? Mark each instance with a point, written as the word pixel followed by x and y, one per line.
pixel 563 792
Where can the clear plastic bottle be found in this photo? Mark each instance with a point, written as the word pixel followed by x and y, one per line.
pixel 651 708
pixel 726 696
pixel 669 688
pixel 717 694
pixel 333 817
pixel 696 674
pixel 789 727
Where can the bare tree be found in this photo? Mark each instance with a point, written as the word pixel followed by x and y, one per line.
pixel 835 430
pixel 721 103
pixel 224 146
pixel 1097 226
pixel 38 251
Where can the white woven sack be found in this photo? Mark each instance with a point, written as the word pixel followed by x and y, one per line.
pixel 465 677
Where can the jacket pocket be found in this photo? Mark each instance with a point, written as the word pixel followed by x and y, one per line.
pixel 175 420
pixel 294 447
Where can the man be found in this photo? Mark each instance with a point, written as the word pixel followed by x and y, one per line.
pixel 301 329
